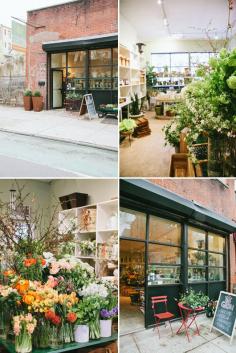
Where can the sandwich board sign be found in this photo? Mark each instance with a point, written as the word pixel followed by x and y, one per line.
pixel 87 106
pixel 224 319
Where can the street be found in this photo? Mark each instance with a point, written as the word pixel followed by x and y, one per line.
pixel 22 156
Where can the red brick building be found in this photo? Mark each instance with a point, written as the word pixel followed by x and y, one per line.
pixel 72 48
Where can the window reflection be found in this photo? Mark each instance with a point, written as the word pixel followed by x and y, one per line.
pixel 196 257
pixel 76 58
pixel 163 275
pixel 216 274
pixel 215 243
pixel 196 238
pixel 196 274
pixel 164 231
pixel 163 254
pixel 58 60
pixel 132 224
pixel 216 260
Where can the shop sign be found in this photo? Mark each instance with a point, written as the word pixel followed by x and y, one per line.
pixel 87 106
pixel 225 315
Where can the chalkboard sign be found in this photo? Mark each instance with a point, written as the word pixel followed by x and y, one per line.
pixel 87 105
pixel 225 315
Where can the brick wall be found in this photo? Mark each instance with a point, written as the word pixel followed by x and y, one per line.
pixel 212 194
pixel 71 20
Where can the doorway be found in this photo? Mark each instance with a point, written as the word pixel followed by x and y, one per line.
pixel 57 89
pixel 132 283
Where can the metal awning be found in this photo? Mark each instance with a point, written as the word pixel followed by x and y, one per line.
pixel 96 42
pixel 156 196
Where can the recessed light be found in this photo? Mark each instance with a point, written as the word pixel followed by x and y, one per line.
pixel 216 37
pixel 159 2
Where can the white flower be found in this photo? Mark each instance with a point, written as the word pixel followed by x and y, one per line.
pixel 94 289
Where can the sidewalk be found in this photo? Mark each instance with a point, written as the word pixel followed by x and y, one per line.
pixel 59 125
pixel 147 341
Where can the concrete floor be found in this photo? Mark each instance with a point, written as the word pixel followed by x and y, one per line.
pixel 147 341
pixel 147 156
pixel 131 318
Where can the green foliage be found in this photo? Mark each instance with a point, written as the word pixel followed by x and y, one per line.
pixel 87 310
pixel 28 93
pixel 37 94
pixel 194 299
pixel 135 107
pixel 127 125
pixel 151 79
pixel 231 82
pixel 74 95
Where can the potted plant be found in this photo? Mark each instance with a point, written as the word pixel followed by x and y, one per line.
pixel 81 328
pixel 127 126
pixel 73 101
pixel 135 107
pixel 87 247
pixel 108 312
pixel 194 300
pixel 37 101
pixel 28 105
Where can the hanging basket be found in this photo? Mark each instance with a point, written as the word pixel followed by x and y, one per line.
pixel 222 156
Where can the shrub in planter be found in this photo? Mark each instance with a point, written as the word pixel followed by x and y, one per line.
pixel 135 107
pixel 37 101
pixel 73 101
pixel 28 104
pixel 127 126
pixel 194 300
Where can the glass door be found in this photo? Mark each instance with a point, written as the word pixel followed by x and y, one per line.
pixel 57 89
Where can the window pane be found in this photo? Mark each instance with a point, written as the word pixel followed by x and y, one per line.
pixel 216 274
pixel 58 60
pixel 199 58
pixel 100 57
pixel 196 238
pixel 100 72
pixel 132 224
pixel 164 231
pixel 196 258
pixel 216 243
pixel 76 73
pixel 76 58
pixel 180 59
pixel 196 274
pixel 163 275
pixel 160 60
pixel 115 56
pixel 215 260
pixel 163 254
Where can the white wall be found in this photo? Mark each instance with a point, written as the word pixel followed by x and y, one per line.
pixel 232 43
pixel 127 34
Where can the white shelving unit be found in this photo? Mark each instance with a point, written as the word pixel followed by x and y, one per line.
pixel 103 228
pixel 132 76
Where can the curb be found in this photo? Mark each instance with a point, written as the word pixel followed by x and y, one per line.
pixel 80 143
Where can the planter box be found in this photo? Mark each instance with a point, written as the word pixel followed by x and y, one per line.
pixel 76 199
pixel 73 104
pixel 28 103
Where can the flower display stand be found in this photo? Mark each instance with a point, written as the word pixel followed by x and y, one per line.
pixel 69 347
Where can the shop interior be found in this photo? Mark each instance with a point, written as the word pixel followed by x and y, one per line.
pixel 163 43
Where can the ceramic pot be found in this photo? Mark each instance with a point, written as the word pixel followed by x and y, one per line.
pixel 105 328
pixel 81 333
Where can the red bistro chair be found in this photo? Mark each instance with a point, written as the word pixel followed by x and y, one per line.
pixel 188 316
pixel 166 315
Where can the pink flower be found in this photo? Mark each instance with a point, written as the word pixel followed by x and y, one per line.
pixel 54 269
pixel 52 282
pixel 30 328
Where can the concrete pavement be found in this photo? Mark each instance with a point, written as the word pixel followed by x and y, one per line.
pixel 147 341
pixel 59 125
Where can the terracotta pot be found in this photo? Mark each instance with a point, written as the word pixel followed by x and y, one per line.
pixel 28 104
pixel 37 104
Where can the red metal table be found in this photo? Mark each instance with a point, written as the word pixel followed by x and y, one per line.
pixel 188 316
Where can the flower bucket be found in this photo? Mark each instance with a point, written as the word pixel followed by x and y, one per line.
pixel 105 328
pixel 81 333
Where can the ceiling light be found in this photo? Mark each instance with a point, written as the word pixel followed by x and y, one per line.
pixel 165 22
pixel 216 37
pixel 159 2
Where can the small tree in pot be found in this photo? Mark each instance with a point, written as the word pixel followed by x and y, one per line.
pixel 37 101
pixel 28 105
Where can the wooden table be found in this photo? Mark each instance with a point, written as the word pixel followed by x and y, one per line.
pixel 68 347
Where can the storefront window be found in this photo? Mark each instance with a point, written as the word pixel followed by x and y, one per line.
pixel 216 274
pixel 197 258
pixel 100 57
pixel 132 224
pixel 164 231
pixel 58 60
pixel 216 260
pixel 196 238
pixel 163 275
pixel 216 243
pixel 163 254
pixel 196 274
pixel 76 58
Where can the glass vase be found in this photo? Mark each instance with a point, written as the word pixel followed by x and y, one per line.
pixel 56 337
pixel 4 324
pixel 23 342
pixel 94 328
pixel 41 334
pixel 68 333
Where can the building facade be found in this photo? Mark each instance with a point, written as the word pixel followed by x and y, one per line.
pixel 180 236
pixel 72 47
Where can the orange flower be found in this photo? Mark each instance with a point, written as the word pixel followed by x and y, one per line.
pixel 9 273
pixel 43 262
pixel 22 286
pixel 71 317
pixel 28 299
pixel 30 262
